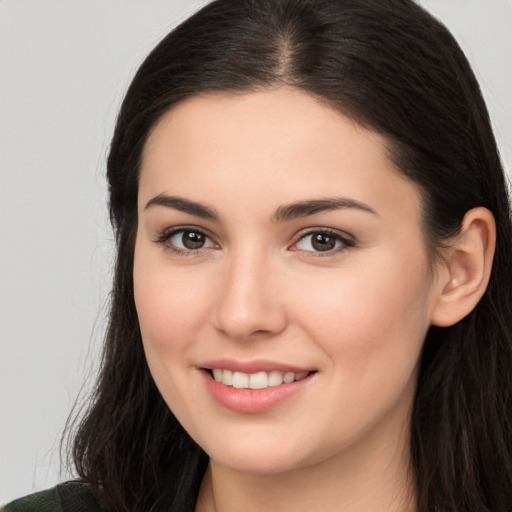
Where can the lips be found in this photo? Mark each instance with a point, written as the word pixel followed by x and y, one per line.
pixel 253 387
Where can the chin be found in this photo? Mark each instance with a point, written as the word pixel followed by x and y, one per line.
pixel 255 454
pixel 257 463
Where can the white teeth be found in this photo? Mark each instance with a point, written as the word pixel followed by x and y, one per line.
pixel 288 377
pixel 240 380
pixel 260 380
pixel 275 378
pixel 227 377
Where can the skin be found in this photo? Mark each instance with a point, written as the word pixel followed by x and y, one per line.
pixel 258 289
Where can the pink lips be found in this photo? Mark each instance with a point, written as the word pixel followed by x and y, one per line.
pixel 259 365
pixel 252 400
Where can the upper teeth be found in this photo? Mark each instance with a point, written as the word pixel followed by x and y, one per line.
pixel 258 380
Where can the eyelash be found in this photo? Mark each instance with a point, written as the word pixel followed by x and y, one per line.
pixel 166 235
pixel 345 242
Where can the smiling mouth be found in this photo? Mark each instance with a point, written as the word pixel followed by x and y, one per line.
pixel 259 380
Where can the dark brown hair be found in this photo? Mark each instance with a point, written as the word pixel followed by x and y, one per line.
pixel 395 69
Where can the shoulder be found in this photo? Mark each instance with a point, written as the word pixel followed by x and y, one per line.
pixel 73 496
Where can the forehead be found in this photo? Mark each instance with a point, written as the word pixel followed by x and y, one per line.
pixel 272 117
pixel 282 143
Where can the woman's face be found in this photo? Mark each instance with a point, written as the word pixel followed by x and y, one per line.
pixel 277 243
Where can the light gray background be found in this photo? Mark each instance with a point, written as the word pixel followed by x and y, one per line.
pixel 64 65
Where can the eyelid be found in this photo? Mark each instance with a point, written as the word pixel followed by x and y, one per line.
pixel 347 241
pixel 165 235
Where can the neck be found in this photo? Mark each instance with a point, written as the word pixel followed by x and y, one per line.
pixel 370 477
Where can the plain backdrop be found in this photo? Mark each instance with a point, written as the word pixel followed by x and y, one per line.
pixel 64 66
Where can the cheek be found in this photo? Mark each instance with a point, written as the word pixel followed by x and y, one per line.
pixel 372 325
pixel 169 309
pixel 372 316
pixel 168 305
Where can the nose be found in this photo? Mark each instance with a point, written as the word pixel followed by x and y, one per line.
pixel 249 304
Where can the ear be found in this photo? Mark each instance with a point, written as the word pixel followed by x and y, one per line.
pixel 467 268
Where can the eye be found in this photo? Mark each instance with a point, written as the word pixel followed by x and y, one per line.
pixel 323 242
pixel 186 240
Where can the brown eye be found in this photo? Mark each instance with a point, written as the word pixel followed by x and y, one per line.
pixel 323 242
pixel 187 240
pixel 193 240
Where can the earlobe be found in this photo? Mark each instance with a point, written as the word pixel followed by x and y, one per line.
pixel 468 264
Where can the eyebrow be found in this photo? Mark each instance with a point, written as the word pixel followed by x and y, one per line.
pixel 284 213
pixel 304 208
pixel 184 205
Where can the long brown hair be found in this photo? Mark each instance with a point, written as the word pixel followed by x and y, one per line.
pixel 395 69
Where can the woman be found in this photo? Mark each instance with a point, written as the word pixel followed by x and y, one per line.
pixel 311 305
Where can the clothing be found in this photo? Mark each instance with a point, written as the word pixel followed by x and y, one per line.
pixel 184 477
pixel 71 496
